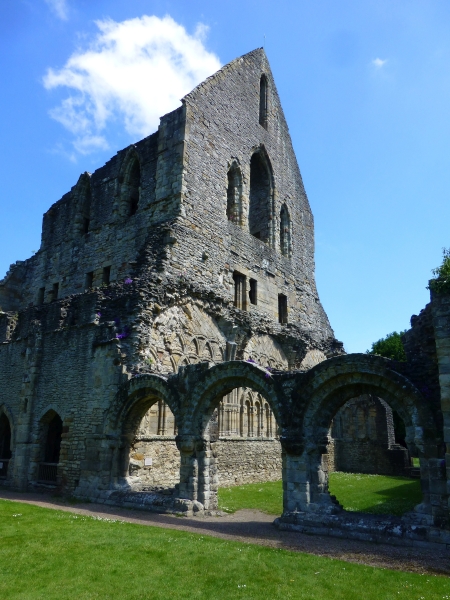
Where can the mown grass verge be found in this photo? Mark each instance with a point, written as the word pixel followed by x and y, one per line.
pixel 55 555
pixel 376 494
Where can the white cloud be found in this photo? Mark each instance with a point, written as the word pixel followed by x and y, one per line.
pixel 59 7
pixel 378 63
pixel 133 72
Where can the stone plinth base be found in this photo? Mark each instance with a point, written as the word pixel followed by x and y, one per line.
pixel 410 530
pixel 153 501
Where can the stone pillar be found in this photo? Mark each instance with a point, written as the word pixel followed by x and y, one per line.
pixel 207 474
pixel 23 434
pixel 439 468
pixel 188 486
pixel 305 479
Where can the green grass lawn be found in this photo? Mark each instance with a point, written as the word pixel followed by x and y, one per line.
pixel 377 494
pixel 55 555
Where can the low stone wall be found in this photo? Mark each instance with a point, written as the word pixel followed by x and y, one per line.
pixel 241 460
pixel 367 456
pixel 165 458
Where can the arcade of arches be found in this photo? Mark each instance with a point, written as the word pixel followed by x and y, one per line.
pixel 303 405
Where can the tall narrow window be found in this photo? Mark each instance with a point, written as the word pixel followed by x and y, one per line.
pixel 282 309
pixel 285 232
pixel 253 292
pixel 263 101
pixel 86 224
pixel 55 291
pixel 106 275
pixel 134 187
pixel 240 300
pixel 89 280
pixel 41 295
pixel 234 191
pixel 259 214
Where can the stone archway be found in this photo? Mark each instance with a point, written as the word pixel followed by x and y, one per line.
pixel 124 420
pixel 197 441
pixel 326 388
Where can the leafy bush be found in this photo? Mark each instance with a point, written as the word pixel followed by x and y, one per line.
pixel 390 347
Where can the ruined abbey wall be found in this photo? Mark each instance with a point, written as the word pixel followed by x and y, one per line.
pixel 181 275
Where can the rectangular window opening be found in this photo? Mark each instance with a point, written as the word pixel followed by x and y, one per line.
pixel 282 309
pixel 86 223
pixel 55 291
pixel 253 292
pixel 89 280
pixel 41 295
pixel 106 275
pixel 240 298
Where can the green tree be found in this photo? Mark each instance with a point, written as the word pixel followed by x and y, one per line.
pixel 440 283
pixel 390 347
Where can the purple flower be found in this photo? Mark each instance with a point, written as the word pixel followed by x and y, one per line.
pixel 250 360
pixel 124 334
pixel 99 314
pixel 267 374
pixel 128 281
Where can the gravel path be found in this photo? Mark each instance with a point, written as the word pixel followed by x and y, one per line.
pixel 254 527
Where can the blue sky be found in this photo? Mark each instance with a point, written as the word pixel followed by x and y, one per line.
pixel 365 87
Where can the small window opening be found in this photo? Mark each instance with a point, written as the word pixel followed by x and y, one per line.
pixel 282 309
pixel 41 295
pixel 25 405
pixel 89 280
pixel 263 101
pixel 106 275
pixel 253 292
pixel 55 291
pixel 240 291
pixel 86 223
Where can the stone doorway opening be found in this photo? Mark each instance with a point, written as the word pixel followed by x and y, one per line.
pixel 51 438
pixel 5 446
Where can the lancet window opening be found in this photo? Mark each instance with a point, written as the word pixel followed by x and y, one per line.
pixel 263 103
pixel 285 232
pixel 234 195
pixel 131 186
pixel 261 195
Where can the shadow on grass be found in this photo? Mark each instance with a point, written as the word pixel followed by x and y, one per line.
pixel 364 494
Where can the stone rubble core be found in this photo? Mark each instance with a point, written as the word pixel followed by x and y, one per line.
pixel 167 337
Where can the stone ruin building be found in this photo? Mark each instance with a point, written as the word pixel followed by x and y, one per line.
pixel 167 337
